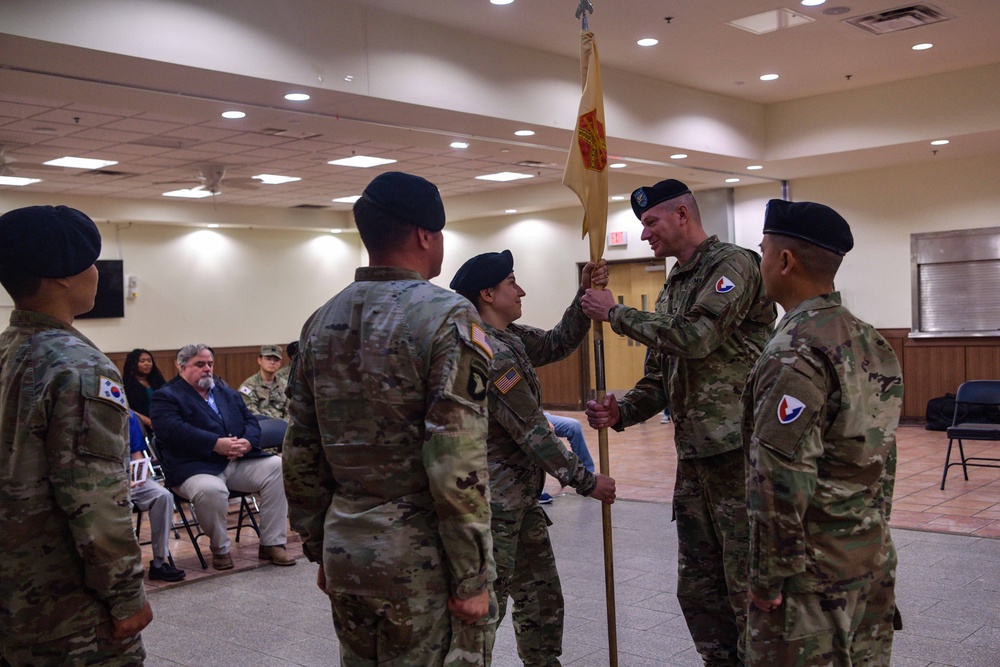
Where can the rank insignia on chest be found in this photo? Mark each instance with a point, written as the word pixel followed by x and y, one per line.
pixel 507 381
pixel 112 391
pixel 480 338
pixel 790 409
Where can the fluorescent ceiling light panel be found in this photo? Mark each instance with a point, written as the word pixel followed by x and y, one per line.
pixel 504 176
pixel 233 115
pixel 80 163
pixel 648 41
pixel 18 181
pixel 617 165
pixel 524 133
pixel 275 179
pixel 188 194
pixel 362 161
pixel 777 19
pixel 732 180
pixel 678 156
pixel 510 210
pixel 347 200
pixel 459 144
pixel 296 97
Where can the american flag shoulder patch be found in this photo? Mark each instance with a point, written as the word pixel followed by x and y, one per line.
pixel 480 338
pixel 507 381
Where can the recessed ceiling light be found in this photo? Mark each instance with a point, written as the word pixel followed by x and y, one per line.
pixel 617 165
pixel 459 144
pixel 213 225
pixel 732 180
pixel 275 179
pixel 510 210
pixel 349 78
pixel 362 161
pixel 922 47
pixel 336 231
pixel 754 167
pixel 768 77
pixel 296 97
pixel 813 3
pixel 940 142
pixel 678 156
pixel 648 41
pixel 524 133
pixel 80 163
pixel 18 181
pixel 501 2
pixel 233 114
pixel 347 200
pixel 503 176
pixel 618 198
pixel 188 194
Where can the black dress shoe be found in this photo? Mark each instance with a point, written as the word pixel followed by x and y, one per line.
pixel 165 572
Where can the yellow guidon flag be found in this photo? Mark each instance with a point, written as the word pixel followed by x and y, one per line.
pixel 586 171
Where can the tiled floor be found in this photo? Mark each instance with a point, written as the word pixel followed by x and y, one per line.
pixel 948 591
pixel 948 584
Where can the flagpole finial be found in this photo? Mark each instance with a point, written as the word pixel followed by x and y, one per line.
pixel 585 7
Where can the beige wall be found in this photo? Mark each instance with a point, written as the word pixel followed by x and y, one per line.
pixel 232 287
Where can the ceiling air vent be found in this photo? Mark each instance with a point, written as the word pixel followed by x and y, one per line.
pixel 902 18
pixel 291 134
pixel 535 164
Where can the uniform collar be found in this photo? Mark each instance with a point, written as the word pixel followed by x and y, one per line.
pixel 385 273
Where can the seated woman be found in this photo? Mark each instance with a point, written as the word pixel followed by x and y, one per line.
pixel 141 378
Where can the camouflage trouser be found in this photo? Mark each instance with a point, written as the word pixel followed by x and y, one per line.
pixel 713 541
pixel 91 647
pixel 402 632
pixel 526 571
pixel 836 628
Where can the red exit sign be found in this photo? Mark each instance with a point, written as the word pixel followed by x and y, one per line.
pixel 617 239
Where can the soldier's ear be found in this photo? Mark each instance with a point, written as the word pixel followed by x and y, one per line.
pixel 486 295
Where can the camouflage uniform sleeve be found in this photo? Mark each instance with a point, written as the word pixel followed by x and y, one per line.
pixel 513 406
pixel 454 452
pixel 249 396
pixel 646 398
pixel 711 319
pixel 782 453
pixel 309 482
pixel 546 347
pixel 85 447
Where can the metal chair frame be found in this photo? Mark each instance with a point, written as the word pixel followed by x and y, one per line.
pixel 973 392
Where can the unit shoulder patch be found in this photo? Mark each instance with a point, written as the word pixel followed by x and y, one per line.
pixel 724 285
pixel 246 390
pixel 789 409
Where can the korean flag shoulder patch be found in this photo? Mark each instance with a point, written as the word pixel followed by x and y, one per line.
pixel 111 391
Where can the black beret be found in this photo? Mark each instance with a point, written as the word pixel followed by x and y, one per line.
pixel 482 271
pixel 407 198
pixel 292 348
pixel 647 197
pixel 816 223
pixel 48 241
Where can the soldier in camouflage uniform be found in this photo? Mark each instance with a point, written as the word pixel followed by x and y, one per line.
pixel 523 447
pixel 71 589
pixel 819 430
pixel 385 455
pixel 710 323
pixel 264 391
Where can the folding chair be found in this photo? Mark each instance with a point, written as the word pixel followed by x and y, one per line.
pixel 974 392
pixel 246 512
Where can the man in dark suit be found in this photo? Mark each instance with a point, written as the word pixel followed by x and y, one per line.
pixel 209 444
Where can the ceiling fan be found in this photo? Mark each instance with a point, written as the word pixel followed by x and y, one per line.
pixel 211 177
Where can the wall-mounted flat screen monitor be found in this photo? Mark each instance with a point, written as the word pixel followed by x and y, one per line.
pixel 110 301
